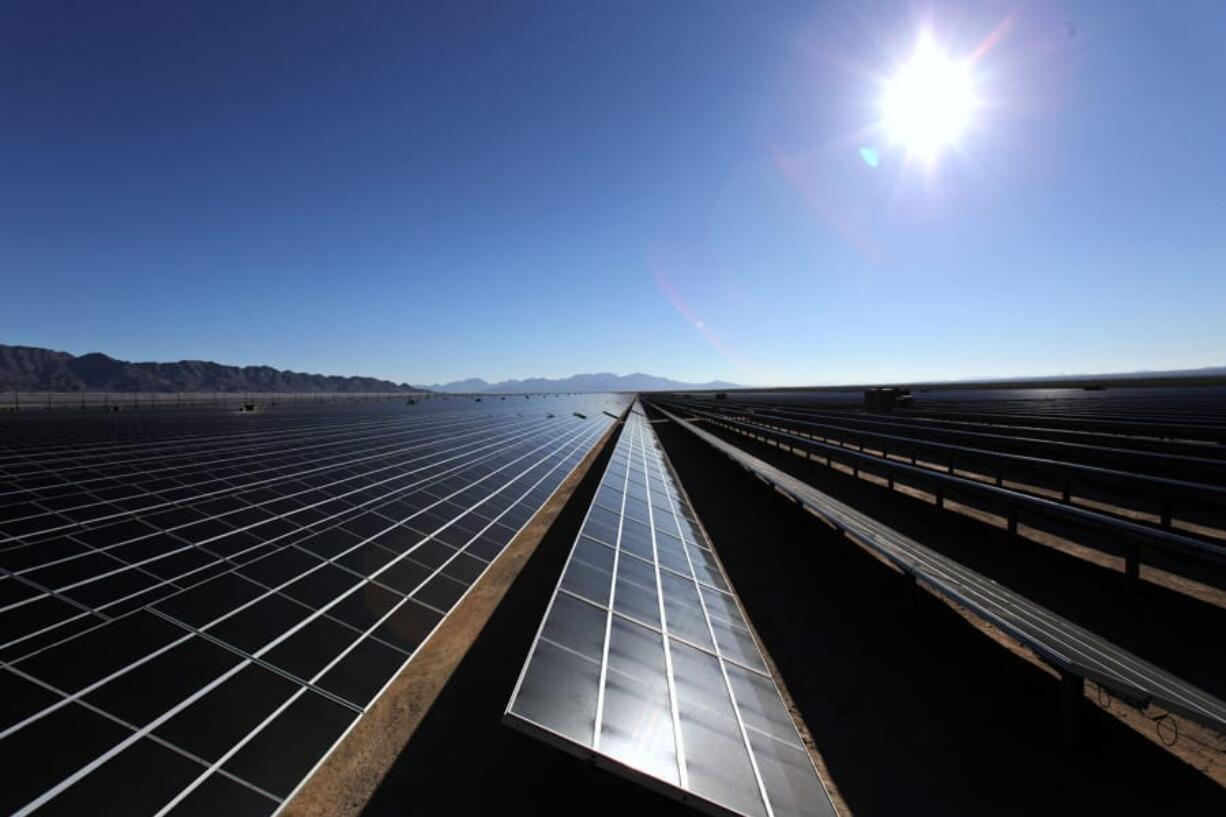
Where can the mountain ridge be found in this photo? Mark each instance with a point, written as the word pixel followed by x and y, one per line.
pixel 591 382
pixel 33 368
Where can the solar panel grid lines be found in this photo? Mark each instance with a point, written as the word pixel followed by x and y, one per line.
pixel 330 484
pixel 678 739
pixel 238 687
pixel 103 430
pixel 389 525
pixel 644 660
pixel 232 456
pixel 142 469
pixel 204 542
pixel 562 468
pixel 723 668
pixel 316 436
pixel 406 554
pixel 326 668
pixel 184 442
pixel 195 493
pixel 136 735
pixel 604 664
pixel 345 435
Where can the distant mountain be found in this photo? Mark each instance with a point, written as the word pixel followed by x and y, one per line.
pixel 28 368
pixel 604 381
pixel 472 384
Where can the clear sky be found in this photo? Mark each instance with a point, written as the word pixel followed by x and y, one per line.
pixel 429 191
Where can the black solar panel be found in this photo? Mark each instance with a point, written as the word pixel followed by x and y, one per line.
pixel 195 607
pixel 644 658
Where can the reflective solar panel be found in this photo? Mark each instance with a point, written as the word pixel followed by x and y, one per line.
pixel 195 607
pixel 645 658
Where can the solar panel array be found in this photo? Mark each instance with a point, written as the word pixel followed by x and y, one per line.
pixel 196 607
pixel 645 658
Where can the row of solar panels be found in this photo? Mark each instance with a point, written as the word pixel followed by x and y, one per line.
pixel 1170 459
pixel 1066 646
pixel 1155 410
pixel 646 662
pixel 1176 550
pixel 147 534
pixel 192 618
pixel 212 613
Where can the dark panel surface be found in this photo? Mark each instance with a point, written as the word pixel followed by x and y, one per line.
pixel 235 588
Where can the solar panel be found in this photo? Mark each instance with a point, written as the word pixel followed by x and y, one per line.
pixel 645 660
pixel 195 607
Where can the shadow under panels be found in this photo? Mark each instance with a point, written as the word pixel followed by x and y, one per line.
pixel 645 662
pixel 204 657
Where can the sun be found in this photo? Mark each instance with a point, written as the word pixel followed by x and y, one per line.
pixel 929 103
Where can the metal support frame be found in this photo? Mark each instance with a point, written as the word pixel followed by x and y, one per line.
pixel 1068 648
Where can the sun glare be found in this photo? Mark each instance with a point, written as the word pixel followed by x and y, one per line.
pixel 929 102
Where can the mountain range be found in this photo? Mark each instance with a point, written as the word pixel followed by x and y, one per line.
pixel 599 382
pixel 29 368
pixel 34 369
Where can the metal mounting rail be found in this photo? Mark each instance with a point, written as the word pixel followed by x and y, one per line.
pixel 1206 490
pixel 1073 650
pixel 1174 460
pixel 1132 534
pixel 1136 491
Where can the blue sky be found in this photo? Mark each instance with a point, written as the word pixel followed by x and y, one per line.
pixel 433 191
